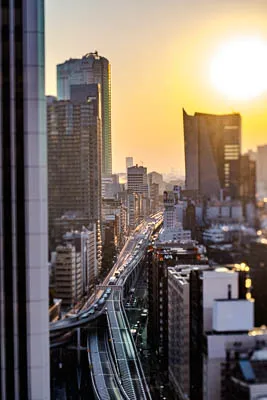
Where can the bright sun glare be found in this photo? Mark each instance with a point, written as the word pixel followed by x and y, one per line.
pixel 239 68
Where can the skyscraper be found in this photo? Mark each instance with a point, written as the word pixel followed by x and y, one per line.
pixel 129 162
pixel 24 340
pixel 91 68
pixel 212 154
pixel 74 160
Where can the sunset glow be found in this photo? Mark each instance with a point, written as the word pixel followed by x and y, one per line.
pixel 238 69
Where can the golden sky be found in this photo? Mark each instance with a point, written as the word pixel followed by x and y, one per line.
pixel 160 53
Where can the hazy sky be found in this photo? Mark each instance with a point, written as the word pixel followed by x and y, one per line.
pixel 160 53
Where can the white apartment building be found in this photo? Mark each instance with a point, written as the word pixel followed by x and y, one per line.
pixel 68 275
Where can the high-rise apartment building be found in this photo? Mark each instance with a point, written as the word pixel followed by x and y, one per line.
pixel 129 162
pixel 212 154
pixel 91 68
pixel 74 160
pixel 24 338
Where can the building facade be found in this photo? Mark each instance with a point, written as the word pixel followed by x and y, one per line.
pixel 90 69
pixel 261 165
pixel 163 256
pixel 137 180
pixel 128 162
pixel 85 242
pixel 247 178
pixel 68 275
pixel 179 330
pixel 24 331
pixel 74 161
pixel 212 154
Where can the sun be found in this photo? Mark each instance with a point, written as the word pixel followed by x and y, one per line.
pixel 239 68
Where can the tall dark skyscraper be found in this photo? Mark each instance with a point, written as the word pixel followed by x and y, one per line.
pixel 212 154
pixel 24 338
pixel 74 159
pixel 91 68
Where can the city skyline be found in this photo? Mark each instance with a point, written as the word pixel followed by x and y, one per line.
pixel 136 285
pixel 141 109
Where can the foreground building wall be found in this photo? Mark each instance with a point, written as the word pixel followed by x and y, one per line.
pixel 24 337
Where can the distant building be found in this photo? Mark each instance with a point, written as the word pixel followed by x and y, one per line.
pixel 85 243
pixel 190 221
pixel 134 209
pixel 110 186
pixel 137 186
pixel 212 154
pixel 114 217
pixel 247 178
pixel 261 165
pixel 137 180
pixel 68 275
pixel 173 218
pixel 155 177
pixel 154 197
pixel 90 69
pixel 129 162
pixel 223 212
pixel 228 233
pixel 74 161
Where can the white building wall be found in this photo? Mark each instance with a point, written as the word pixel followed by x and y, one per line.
pixel 36 201
pixel 215 286
pixel 212 364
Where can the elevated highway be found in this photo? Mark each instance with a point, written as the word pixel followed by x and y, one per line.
pixel 115 367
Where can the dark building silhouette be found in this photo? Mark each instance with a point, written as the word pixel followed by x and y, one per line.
pixel 257 261
pixel 190 218
pixel 247 178
pixel 212 154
